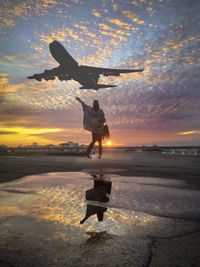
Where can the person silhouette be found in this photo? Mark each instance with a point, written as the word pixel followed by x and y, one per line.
pixel 93 121
pixel 92 210
pixel 100 193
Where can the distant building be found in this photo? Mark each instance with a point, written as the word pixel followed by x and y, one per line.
pixel 83 146
pixel 69 145
pixel 76 145
pixel 50 146
pixel 3 148
pixel 34 144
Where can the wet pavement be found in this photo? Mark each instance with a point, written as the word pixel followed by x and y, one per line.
pixel 91 218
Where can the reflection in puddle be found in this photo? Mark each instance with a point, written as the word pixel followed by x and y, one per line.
pixel 100 193
pixel 73 211
pixel 60 198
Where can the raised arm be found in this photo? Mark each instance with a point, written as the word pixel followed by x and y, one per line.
pixel 82 103
pixel 84 106
pixel 79 100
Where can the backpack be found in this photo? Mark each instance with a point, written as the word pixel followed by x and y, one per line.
pixel 106 133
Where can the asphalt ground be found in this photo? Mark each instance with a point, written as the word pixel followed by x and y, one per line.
pixel 147 240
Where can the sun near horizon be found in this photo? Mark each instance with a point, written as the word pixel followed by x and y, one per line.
pixel 108 143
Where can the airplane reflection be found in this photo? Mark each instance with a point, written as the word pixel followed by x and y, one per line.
pixel 100 193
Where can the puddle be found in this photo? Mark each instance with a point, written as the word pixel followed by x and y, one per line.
pixel 75 210
pixel 154 196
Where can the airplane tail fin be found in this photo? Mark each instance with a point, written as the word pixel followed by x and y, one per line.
pixel 98 86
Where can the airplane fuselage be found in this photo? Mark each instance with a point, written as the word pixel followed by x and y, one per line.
pixel 69 69
pixel 69 65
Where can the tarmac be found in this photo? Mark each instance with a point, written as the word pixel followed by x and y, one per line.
pixel 152 217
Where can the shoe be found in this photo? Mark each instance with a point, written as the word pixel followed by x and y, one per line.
pixel 99 157
pixel 88 155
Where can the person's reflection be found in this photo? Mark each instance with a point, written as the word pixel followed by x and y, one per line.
pixel 100 192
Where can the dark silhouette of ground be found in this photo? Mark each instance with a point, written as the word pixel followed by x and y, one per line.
pixel 148 164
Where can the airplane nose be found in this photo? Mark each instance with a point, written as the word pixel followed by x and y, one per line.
pixel 53 44
pixel 61 55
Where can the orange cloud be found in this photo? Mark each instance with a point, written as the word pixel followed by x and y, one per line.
pixel 96 13
pixel 189 132
pixel 26 136
pixel 60 35
pixel 85 31
pixel 121 38
pixel 119 23
pixel 3 81
pixel 23 10
pixel 132 17
pixel 175 44
pixel 21 135
pixel 106 27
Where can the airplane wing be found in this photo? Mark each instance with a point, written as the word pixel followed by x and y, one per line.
pixel 107 72
pixel 51 75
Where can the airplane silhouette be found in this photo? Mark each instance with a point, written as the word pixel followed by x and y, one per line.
pixel 69 69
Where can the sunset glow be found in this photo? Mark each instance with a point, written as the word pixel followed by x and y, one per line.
pixel 26 136
pixel 108 143
pixel 158 106
pixel 190 132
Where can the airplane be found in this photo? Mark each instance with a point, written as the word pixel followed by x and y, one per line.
pixel 69 69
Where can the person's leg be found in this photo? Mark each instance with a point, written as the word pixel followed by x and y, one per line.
pixel 100 146
pixel 91 145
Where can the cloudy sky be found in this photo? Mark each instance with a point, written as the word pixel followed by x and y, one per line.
pixel 159 106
